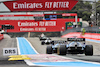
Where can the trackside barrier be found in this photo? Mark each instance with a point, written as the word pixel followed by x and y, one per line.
pixel 1 36
pixel 94 36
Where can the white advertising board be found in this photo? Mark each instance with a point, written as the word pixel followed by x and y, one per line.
pixel 9 51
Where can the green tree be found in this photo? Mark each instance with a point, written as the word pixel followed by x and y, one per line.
pixel 98 6
pixel 82 9
pixel 98 10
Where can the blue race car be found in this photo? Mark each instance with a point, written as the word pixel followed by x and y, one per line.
pixel 73 46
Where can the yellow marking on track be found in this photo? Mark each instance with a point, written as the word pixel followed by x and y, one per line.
pixel 18 57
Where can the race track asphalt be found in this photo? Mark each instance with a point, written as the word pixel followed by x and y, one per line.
pixel 8 42
pixel 36 43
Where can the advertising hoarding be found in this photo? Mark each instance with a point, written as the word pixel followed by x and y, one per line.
pixel 36 26
pixel 40 5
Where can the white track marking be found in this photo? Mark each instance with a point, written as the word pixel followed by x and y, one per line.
pixel 18 47
pixel 29 63
pixel 31 46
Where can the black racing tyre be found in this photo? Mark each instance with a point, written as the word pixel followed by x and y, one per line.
pixel 88 50
pixel 52 42
pixel 49 49
pixel 42 43
pixel 61 50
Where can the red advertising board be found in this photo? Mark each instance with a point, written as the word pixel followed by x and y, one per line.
pixel 33 15
pixel 37 26
pixel 40 15
pixel 69 14
pixel 40 5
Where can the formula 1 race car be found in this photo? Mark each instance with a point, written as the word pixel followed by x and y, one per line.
pixel 74 46
pixel 54 46
pixel 43 38
pixel 47 41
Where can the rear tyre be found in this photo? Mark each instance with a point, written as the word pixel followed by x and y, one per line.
pixel 49 49
pixel 88 50
pixel 61 50
pixel 40 39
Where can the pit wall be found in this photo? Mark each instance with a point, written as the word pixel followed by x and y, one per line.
pixel 94 36
pixel 1 36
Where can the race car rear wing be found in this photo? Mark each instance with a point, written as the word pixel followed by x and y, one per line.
pixel 58 41
pixel 76 39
